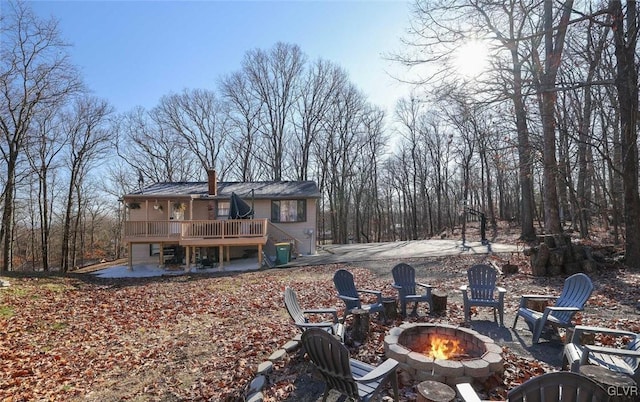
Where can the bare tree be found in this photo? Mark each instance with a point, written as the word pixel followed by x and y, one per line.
pixel 42 151
pixel 577 110
pixel 153 150
pixel 36 75
pixel 463 117
pixel 274 79
pixel 438 149
pixel 554 39
pixel 321 82
pixel 402 174
pixel 439 27
pixel 625 34
pixel 89 138
pixel 200 119
pixel 337 153
pixel 609 148
pixel 407 114
pixel 366 199
pixel 244 111
pixel 95 225
pixel 117 182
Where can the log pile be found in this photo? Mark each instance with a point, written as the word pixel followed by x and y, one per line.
pixel 556 255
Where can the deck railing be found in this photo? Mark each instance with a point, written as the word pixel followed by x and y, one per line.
pixel 219 229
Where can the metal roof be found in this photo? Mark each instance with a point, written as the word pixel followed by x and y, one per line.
pixel 262 189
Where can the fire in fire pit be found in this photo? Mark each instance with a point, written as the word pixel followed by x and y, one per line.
pixel 437 346
pixel 443 353
pixel 440 347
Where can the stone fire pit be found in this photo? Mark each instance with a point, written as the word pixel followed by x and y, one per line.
pixel 480 356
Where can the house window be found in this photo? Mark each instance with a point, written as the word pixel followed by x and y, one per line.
pixel 223 209
pixel 289 211
pixel 154 249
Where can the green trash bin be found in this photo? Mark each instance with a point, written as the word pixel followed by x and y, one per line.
pixel 283 253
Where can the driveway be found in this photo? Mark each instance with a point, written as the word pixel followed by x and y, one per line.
pixel 329 254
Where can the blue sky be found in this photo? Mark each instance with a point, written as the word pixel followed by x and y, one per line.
pixel 133 52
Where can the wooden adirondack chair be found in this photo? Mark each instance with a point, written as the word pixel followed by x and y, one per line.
pixel 404 281
pixel 347 291
pixel 575 293
pixel 301 317
pixel 620 360
pixel 482 286
pixel 560 386
pixel 349 377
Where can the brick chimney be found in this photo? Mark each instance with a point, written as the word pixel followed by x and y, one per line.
pixel 213 182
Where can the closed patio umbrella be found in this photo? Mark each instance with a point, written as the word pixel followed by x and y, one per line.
pixel 239 209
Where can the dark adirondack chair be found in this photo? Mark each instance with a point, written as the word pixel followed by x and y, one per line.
pixel 404 281
pixel 560 386
pixel 350 377
pixel 617 359
pixel 347 291
pixel 301 317
pixel 575 293
pixel 481 291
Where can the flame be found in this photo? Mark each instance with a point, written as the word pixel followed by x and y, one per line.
pixel 443 348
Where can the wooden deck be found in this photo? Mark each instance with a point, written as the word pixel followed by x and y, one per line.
pixel 198 232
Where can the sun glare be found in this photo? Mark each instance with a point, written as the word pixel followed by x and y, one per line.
pixel 470 59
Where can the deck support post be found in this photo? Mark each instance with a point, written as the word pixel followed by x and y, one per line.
pixel 221 257
pixel 130 257
pixel 188 259
pixel 161 261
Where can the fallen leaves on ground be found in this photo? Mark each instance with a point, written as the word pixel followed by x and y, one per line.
pixel 195 337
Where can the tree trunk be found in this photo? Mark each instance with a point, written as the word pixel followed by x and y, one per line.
pixel 627 86
pixel 6 231
pixel 553 56
pixel 566 198
pixel 490 210
pixel 44 215
pixel 525 166
pixel 586 170
pixel 550 191
pixel 66 229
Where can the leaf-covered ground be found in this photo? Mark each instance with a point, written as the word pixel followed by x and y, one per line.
pixel 198 337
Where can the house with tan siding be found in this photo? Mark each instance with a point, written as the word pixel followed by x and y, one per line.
pixel 189 224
